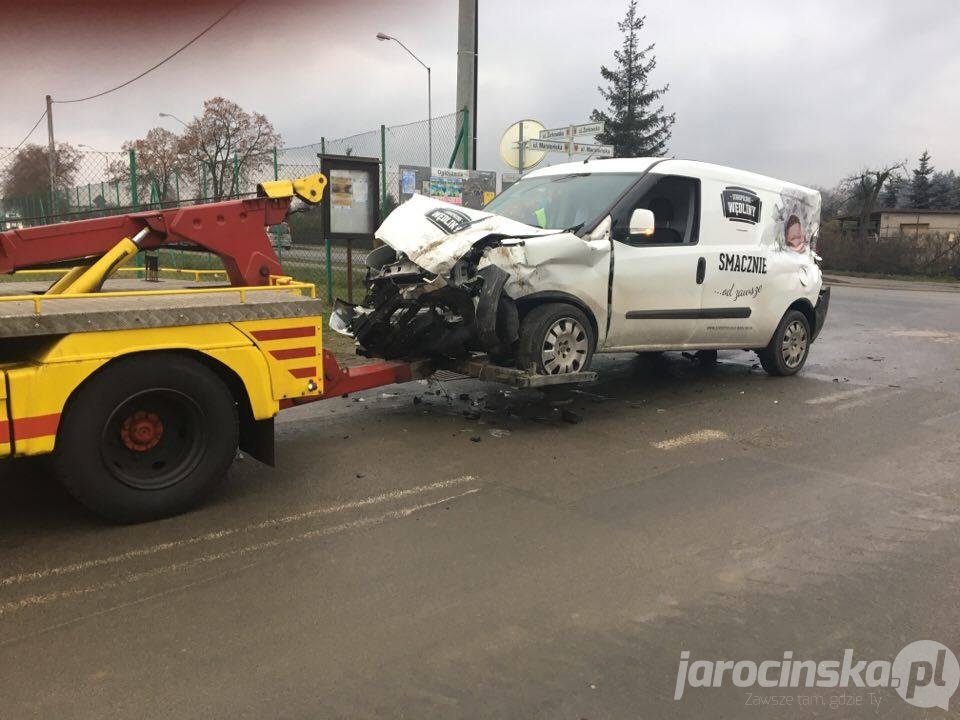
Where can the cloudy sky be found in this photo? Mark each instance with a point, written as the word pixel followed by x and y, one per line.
pixel 807 91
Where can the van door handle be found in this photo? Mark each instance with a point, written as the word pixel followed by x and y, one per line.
pixel 701 270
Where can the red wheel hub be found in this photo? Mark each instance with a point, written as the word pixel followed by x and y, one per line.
pixel 141 431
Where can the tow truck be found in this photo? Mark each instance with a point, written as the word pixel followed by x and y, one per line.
pixel 142 397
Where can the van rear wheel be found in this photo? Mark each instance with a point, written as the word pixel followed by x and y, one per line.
pixel 147 437
pixel 788 349
pixel 555 339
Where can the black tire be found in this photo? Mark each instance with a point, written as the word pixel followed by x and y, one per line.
pixel 793 331
pixel 147 437
pixel 536 330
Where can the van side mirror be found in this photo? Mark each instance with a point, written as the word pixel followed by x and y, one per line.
pixel 642 222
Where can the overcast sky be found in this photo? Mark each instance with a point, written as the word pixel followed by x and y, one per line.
pixel 806 91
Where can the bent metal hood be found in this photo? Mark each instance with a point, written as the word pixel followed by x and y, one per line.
pixel 435 234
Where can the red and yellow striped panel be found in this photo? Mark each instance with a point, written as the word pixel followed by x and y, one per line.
pixel 292 347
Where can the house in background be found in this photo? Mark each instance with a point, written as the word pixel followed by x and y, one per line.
pixel 887 222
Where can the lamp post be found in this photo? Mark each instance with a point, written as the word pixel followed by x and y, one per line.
pixel 199 162
pixel 106 157
pixel 384 36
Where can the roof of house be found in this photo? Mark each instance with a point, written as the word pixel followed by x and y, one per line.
pixel 902 211
pixel 916 211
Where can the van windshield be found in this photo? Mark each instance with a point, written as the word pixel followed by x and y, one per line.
pixel 561 201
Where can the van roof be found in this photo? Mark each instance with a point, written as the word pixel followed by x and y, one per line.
pixel 694 168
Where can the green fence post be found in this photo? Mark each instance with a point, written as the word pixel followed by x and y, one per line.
pixel 383 169
pixel 329 273
pixel 323 145
pixel 176 178
pixel 78 199
pixel 466 138
pixel 134 181
pixel 135 199
pixel 103 192
pixel 276 166
pixel 236 176
pixel 203 188
pixel 456 149
pixel 116 187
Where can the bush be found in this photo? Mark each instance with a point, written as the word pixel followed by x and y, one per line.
pixel 901 254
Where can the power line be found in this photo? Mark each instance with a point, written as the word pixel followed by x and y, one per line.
pixel 35 126
pixel 151 69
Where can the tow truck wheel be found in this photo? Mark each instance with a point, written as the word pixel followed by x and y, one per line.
pixel 147 437
pixel 789 347
pixel 555 339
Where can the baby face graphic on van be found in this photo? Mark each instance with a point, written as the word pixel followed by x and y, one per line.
pixel 794 235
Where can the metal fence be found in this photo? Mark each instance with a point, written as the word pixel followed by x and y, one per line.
pixel 94 183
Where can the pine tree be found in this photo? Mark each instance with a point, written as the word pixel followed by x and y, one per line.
pixel 920 187
pixel 634 124
pixel 943 190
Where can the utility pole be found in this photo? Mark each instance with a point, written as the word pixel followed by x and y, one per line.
pixel 467 73
pixel 51 157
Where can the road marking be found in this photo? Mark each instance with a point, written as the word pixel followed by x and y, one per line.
pixel 34 600
pixel 226 532
pixel 842 395
pixel 695 438
pixel 938 336
pixel 866 401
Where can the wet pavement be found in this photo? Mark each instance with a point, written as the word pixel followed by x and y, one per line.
pixel 462 551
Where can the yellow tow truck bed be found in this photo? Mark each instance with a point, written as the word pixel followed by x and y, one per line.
pixel 135 390
pixel 144 395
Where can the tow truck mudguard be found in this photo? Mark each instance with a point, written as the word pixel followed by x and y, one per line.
pixel 820 311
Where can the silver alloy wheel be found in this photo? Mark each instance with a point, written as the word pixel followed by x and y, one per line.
pixel 565 347
pixel 794 344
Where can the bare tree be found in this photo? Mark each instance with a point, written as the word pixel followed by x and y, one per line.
pixel 865 188
pixel 159 158
pixel 28 176
pixel 230 144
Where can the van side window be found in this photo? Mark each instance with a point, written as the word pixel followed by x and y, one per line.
pixel 674 202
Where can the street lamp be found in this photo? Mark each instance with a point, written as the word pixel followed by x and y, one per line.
pixel 384 36
pixel 100 152
pixel 174 117
pixel 201 190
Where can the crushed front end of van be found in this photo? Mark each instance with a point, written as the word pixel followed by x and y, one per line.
pixel 448 279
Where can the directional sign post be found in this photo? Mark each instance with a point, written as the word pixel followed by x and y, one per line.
pixel 594 150
pixel 548 145
pixel 562 140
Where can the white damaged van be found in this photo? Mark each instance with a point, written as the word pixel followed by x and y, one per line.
pixel 616 255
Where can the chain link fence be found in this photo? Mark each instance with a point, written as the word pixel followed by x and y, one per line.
pixel 91 183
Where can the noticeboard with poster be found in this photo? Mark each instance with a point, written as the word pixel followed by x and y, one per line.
pixel 469 188
pixel 351 207
pixel 412 180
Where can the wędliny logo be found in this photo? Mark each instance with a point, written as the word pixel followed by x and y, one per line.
pixel 925 674
pixel 449 220
pixel 740 205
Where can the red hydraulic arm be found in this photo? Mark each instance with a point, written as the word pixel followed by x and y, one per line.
pixel 234 230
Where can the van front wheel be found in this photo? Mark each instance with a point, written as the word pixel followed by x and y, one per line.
pixel 789 347
pixel 555 339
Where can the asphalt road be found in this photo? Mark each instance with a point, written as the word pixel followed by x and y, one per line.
pixel 393 567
